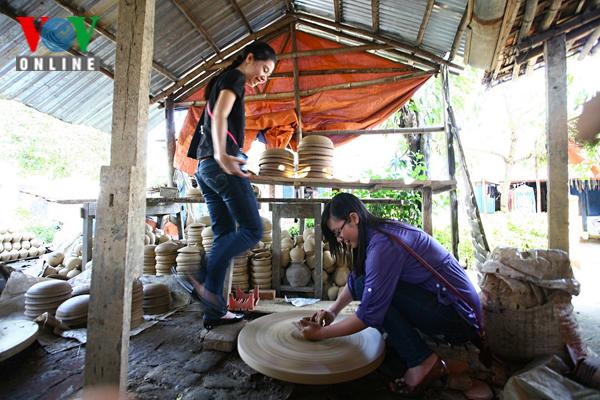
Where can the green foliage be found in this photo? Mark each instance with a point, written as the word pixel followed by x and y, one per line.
pixel 465 250
pixel 293 230
pixel 44 231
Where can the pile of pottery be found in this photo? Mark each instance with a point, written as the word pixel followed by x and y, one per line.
pixel 73 312
pixel 157 298
pixel 207 239
pixel 240 278
pixel 297 274
pixel 194 233
pixel 15 245
pixel 261 269
pixel 58 266
pixel 155 236
pixel 166 255
pixel 137 301
pixel 46 296
pixel 315 157
pixel 338 271
pixel 189 259
pixel 277 163
pixel 149 260
pixel 267 237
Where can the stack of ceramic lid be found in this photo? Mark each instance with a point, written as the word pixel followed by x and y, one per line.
pixel 240 272
pixel 166 254
pixel 137 300
pixel 315 157
pixel 194 233
pixel 207 239
pixel 74 311
pixel 46 296
pixel 189 259
pixel 276 162
pixel 149 260
pixel 261 270
pixel 81 289
pixel 267 237
pixel 157 298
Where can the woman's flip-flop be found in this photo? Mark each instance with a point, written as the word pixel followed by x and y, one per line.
pixel 438 371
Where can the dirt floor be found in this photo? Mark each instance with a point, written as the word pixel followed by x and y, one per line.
pixel 169 361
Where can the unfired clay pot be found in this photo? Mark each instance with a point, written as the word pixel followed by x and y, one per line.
pixel 341 276
pixel 332 292
pixel 297 254
pixel 298 274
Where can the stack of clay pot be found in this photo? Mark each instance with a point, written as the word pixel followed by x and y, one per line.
pixel 267 237
pixel 315 157
pixel 137 304
pixel 154 236
pixel 73 312
pixel 189 259
pixel 277 163
pixel 166 254
pixel 194 233
pixel 338 272
pixel 157 298
pixel 207 239
pixel 240 277
pixel 15 245
pixel 297 274
pixel 261 269
pixel 149 260
pixel 60 267
pixel 46 296
pixel 286 245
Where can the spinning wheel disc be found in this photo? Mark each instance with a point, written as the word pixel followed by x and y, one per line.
pixel 273 346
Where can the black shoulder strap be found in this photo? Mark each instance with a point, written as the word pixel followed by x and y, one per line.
pixel 193 149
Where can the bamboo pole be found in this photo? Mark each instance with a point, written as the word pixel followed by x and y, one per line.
pixel 337 50
pixel 402 131
pixel 197 26
pixel 375 15
pixel 296 82
pixel 240 13
pixel 466 18
pixel 425 21
pixel 342 71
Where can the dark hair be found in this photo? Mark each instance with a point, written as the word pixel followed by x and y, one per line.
pixel 340 207
pixel 260 50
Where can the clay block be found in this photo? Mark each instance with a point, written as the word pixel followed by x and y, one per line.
pixel 267 294
pixel 223 338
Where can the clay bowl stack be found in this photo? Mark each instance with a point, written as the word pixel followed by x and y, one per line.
pixel 276 162
pixel 207 239
pixel 189 259
pixel 166 254
pixel 137 304
pixel 149 260
pixel 194 233
pixel 261 270
pixel 267 237
pixel 157 298
pixel 240 277
pixel 315 157
pixel 46 296
pixel 74 311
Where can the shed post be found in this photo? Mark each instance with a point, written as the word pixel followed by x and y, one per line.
pixel 118 246
pixel 170 119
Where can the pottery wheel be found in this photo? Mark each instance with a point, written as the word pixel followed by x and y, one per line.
pixel 16 335
pixel 273 346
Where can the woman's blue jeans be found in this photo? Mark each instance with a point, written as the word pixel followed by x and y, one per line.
pixel 414 311
pixel 230 200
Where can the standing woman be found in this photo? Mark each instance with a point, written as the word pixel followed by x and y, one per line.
pixel 398 293
pixel 217 144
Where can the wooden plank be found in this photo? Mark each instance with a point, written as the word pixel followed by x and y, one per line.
pixel 170 133
pixel 337 10
pixel 87 234
pixel 557 137
pixel 119 242
pixel 280 305
pixel 426 209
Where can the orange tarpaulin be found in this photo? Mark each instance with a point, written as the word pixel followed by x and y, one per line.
pixel 339 109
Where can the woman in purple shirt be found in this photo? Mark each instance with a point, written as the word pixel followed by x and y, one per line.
pixel 398 294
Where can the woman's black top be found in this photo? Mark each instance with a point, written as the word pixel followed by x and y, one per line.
pixel 202 144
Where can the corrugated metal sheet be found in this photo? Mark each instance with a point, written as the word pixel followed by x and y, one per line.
pixel 86 97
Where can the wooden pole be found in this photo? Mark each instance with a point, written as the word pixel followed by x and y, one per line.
pixel 451 163
pixel 296 82
pixel 349 71
pixel 466 18
pixel 170 119
pixel 336 50
pixel 118 246
pixel 424 22
pixel 556 126
pixel 401 131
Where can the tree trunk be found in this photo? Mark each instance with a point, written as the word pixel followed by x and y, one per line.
pixel 509 162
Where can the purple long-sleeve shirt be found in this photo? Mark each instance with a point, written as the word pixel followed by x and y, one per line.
pixel 387 263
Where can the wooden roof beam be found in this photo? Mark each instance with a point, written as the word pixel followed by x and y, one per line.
pixel 510 14
pixel 466 18
pixel 375 15
pixel 196 25
pixel 195 72
pixel 240 13
pixel 337 10
pixel 318 72
pixel 110 36
pixel 423 54
pixel 590 42
pixel 550 14
pixel 424 22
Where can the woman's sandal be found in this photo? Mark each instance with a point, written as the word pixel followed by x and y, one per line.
pixel 438 371
pixel 188 287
